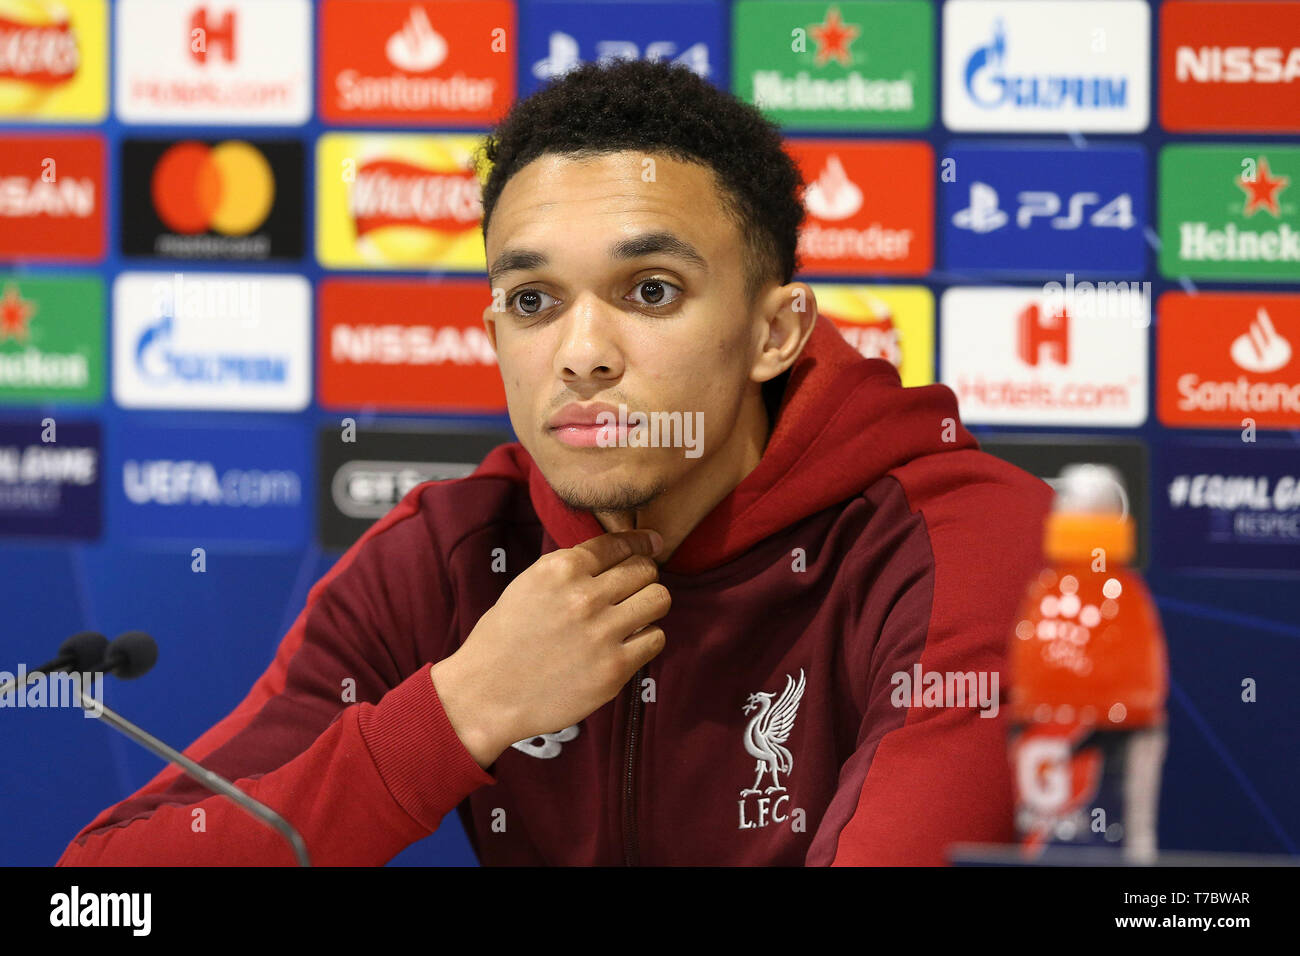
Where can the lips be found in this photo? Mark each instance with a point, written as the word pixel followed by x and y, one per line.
pixel 576 425
pixel 575 415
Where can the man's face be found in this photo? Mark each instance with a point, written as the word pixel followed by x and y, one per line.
pixel 591 315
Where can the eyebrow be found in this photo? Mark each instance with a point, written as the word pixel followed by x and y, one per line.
pixel 634 247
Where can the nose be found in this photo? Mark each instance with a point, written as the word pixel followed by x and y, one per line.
pixel 589 352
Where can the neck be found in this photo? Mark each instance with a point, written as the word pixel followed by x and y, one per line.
pixel 679 509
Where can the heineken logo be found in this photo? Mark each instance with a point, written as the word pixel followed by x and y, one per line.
pixel 51 340
pixel 1226 212
pixel 1261 188
pixel 859 64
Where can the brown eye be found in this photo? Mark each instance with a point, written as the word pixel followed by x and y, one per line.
pixel 657 292
pixel 530 300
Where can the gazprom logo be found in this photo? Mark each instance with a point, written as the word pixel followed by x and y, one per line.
pixel 157 360
pixel 990 86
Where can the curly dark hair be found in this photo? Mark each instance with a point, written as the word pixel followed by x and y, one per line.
pixel 657 107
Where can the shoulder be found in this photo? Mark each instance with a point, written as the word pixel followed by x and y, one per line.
pixel 983 523
pixel 974 491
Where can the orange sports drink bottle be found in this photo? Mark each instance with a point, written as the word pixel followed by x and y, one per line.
pixel 1089 680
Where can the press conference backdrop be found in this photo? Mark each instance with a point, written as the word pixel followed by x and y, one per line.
pixel 241 280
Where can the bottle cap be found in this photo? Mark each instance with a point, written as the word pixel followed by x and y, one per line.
pixel 1090 511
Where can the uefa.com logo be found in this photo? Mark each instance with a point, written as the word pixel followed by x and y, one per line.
pixel 53 690
pixel 655 430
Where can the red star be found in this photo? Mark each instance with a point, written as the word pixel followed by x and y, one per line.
pixel 15 311
pixel 1263 191
pixel 833 37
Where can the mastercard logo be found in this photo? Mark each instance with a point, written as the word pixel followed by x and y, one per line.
pixel 227 188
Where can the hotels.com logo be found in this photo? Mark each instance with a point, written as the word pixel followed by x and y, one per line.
pixel 1043 335
pixel 1223 358
pixel 1012 356
pixel 211 35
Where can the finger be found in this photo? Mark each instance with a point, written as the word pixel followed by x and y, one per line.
pixel 644 646
pixel 645 607
pixel 604 551
pixel 626 578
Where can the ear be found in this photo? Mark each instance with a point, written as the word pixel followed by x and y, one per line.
pixel 784 322
pixel 490 323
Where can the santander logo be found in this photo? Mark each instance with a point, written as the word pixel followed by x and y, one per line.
pixel 1228 360
pixel 1261 348
pixel 417 47
pixel 833 195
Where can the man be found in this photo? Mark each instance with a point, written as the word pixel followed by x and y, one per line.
pixel 821 537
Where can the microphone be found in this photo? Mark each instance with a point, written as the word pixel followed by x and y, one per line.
pixel 133 654
pixel 80 652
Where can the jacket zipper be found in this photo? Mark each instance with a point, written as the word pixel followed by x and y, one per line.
pixel 629 752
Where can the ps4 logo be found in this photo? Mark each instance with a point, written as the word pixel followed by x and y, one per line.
pixel 984 214
pixel 562 55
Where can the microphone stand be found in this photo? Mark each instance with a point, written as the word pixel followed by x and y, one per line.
pixel 213 781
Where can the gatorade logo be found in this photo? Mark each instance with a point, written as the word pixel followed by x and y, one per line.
pixel 227 188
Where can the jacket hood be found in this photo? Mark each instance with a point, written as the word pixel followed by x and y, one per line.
pixel 844 422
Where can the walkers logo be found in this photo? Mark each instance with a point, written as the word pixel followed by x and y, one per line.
pixel 1223 358
pixel 51 339
pixel 560 36
pixel 844 66
pixel 401 344
pixel 212 200
pixel 50 479
pixel 1046 210
pixel 1066 66
pixel 51 197
pixel 363 474
pixel 1228 505
pixel 394 61
pixel 891 322
pixel 211 340
pixel 221 62
pixel 398 202
pixel 201 488
pixel 853 226
pixel 1230 212
pixel 1230 67
pixel 1021 356
pixel 54 60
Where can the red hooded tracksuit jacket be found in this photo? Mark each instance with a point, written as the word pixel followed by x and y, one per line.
pixel 873 536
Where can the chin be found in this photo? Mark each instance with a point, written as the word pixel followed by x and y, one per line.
pixel 607 491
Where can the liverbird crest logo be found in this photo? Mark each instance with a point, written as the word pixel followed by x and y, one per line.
pixel 768 729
